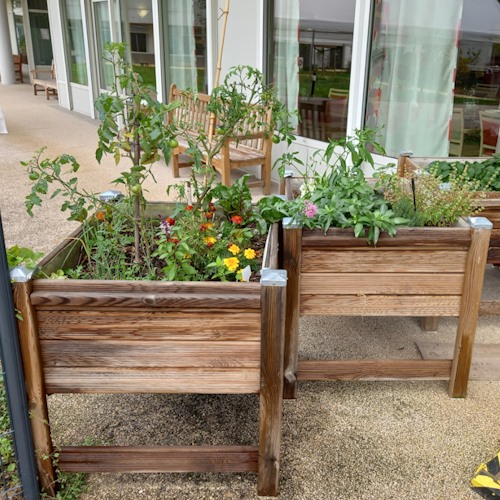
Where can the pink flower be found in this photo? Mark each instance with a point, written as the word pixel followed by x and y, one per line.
pixel 310 209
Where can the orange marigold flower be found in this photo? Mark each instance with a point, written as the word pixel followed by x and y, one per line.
pixel 234 249
pixel 237 219
pixel 209 215
pixel 171 221
pixel 211 207
pixel 101 215
pixel 250 253
pixel 232 263
pixel 189 207
pixel 203 227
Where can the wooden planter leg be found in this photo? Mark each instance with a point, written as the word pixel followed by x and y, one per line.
pixel 273 303
pixel 469 306
pixel 430 324
pixel 292 257
pixel 35 386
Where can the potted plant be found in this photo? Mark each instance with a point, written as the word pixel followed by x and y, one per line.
pixel 485 171
pixel 154 297
pixel 348 250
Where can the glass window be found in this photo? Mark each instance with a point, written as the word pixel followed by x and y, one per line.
pixel 312 62
pixel 186 44
pixel 137 32
pixel 75 40
pixel 103 36
pixel 434 76
pixel 40 32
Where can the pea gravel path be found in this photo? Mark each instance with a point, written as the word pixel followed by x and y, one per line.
pixel 356 440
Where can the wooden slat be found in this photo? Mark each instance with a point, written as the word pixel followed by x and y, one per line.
pixel 35 388
pixel 489 308
pixel 425 237
pixel 381 283
pixel 208 324
pixel 383 261
pixel 158 459
pixel 494 255
pixel 380 305
pixel 143 354
pixel 151 380
pixel 270 256
pixel 469 311
pixel 378 369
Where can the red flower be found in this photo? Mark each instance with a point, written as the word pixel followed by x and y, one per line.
pixel 237 219
pixel 203 227
pixel 211 207
pixel 175 240
pixel 171 221
pixel 189 208
pixel 209 215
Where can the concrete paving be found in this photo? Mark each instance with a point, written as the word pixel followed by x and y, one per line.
pixel 355 440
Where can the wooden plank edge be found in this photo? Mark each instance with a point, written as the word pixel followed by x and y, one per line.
pixel 380 369
pixel 158 459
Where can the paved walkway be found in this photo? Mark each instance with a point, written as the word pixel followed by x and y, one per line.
pixel 357 440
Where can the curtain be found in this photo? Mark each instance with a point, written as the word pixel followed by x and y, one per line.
pixel 181 44
pixel 412 72
pixel 286 39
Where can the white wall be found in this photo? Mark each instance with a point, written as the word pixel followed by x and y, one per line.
pixel 244 35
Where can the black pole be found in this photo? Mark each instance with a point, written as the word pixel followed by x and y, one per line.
pixel 10 355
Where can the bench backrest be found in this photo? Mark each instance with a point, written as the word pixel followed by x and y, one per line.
pixel 192 114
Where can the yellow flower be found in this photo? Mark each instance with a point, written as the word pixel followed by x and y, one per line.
pixel 232 263
pixel 209 240
pixel 250 253
pixel 234 249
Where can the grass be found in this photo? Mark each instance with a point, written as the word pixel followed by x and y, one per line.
pixel 324 82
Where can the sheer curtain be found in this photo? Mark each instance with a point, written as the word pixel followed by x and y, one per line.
pixel 181 44
pixel 286 37
pixel 412 72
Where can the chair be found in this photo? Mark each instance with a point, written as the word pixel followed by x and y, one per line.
pixel 337 113
pixel 486 90
pixel 46 83
pixel 457 132
pixel 18 66
pixel 312 122
pixel 490 123
pixel 338 92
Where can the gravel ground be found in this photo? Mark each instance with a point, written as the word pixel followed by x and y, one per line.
pixel 341 440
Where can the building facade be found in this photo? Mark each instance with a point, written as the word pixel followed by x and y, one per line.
pixel 426 74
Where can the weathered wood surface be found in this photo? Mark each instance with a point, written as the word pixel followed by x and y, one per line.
pixel 469 311
pixel 142 354
pixel 142 294
pixel 158 459
pixel 382 260
pixel 374 369
pixel 155 325
pixel 35 386
pixel 380 305
pixel 271 388
pixel 425 237
pixel 270 255
pixel 381 284
pixel 292 261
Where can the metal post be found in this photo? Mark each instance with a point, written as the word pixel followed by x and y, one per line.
pixel 14 381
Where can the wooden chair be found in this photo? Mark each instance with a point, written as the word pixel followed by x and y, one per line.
pixel 251 148
pixel 337 113
pixel 46 83
pixel 457 132
pixel 18 67
pixel 490 124
pixel 486 90
pixel 313 120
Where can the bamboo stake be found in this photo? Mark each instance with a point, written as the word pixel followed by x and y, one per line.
pixel 224 14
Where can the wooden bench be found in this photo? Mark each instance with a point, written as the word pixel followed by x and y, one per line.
pixel 48 84
pixel 251 148
pixel 18 66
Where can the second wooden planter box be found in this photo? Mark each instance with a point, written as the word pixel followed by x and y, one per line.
pixel 419 272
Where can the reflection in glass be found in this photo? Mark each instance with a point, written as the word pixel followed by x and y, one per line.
pixel 40 37
pixel 312 70
pixel 74 35
pixel 137 29
pixel 186 44
pixel 103 36
pixel 434 70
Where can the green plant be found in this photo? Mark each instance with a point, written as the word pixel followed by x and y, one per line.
pixel 426 200
pixel 22 256
pixel 340 196
pixel 486 173
pixel 7 454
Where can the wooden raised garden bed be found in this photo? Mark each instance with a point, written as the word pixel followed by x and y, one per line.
pixel 83 336
pixel 421 271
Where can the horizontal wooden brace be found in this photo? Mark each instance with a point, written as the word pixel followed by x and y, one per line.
pixel 379 369
pixel 158 459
